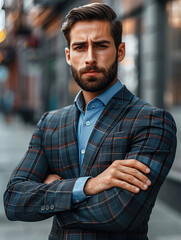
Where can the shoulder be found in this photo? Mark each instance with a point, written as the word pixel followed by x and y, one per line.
pixel 136 105
pixel 153 111
pixel 141 114
pixel 52 118
pixel 147 115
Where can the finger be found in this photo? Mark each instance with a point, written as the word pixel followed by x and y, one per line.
pixel 136 173
pixel 55 175
pixel 126 186
pixel 135 164
pixel 133 181
pixel 51 178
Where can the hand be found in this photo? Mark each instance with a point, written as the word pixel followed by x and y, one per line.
pixel 51 178
pixel 126 174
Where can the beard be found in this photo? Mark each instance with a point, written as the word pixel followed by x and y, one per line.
pixel 95 84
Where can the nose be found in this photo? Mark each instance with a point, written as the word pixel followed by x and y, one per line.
pixel 90 56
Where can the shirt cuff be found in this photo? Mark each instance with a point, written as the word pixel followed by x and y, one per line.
pixel 78 190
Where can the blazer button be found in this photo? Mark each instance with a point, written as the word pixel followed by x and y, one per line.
pixel 52 207
pixel 43 207
pixel 47 207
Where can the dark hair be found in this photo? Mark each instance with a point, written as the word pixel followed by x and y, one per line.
pixel 94 11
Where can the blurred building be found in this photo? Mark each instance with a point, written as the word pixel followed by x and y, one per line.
pixel 33 53
pixel 151 69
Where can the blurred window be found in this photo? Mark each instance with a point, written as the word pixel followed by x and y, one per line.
pixel 173 88
pixel 129 68
pixel 172 96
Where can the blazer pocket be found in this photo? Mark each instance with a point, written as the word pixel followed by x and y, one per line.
pixel 113 148
pixel 115 144
pixel 113 138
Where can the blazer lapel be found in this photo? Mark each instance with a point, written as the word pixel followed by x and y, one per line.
pixel 112 114
pixel 68 136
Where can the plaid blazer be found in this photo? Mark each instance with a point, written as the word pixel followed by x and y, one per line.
pixel 128 128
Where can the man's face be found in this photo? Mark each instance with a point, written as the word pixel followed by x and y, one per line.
pixel 93 55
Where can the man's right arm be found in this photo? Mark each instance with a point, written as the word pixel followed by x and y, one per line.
pixel 27 197
pixel 30 195
pixel 125 174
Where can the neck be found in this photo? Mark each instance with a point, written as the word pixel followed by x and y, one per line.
pixel 88 96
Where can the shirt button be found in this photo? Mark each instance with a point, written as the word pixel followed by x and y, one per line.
pixel 47 207
pixel 82 151
pixel 88 123
pixel 77 201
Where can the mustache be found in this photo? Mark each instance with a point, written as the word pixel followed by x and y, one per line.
pixel 91 68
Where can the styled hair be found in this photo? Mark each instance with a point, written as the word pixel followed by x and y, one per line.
pixel 90 12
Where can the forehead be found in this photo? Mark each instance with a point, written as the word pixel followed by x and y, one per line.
pixel 90 30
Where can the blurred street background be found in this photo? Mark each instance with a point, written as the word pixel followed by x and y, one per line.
pixel 34 78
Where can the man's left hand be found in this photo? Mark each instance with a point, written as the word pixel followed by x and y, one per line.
pixel 51 178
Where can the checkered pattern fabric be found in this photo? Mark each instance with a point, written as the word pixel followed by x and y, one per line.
pixel 128 128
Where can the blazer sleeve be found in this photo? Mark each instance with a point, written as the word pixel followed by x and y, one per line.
pixel 27 198
pixel 154 144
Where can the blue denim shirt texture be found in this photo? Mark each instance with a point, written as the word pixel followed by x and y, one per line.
pixel 86 123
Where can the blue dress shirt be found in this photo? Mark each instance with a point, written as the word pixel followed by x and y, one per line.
pixel 86 124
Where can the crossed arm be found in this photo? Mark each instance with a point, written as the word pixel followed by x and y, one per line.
pixel 111 206
pixel 126 174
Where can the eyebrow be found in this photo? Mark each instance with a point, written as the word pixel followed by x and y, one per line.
pixel 94 42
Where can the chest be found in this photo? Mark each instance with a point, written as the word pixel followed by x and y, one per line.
pixel 62 151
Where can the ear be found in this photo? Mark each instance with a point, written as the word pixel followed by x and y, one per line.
pixel 67 53
pixel 121 52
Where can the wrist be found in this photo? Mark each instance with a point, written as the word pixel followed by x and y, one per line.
pixel 88 188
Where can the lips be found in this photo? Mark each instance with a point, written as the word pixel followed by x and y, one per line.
pixel 91 73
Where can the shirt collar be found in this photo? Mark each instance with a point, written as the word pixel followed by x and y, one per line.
pixel 110 92
pixel 103 97
pixel 79 101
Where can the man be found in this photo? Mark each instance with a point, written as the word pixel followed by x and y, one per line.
pixel 97 165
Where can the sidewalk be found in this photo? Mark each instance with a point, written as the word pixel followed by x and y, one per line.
pixel 165 224
pixel 14 139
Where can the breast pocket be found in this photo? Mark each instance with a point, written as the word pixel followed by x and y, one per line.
pixel 113 140
pixel 114 146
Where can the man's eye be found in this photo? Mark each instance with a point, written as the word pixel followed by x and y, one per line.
pixel 79 48
pixel 102 46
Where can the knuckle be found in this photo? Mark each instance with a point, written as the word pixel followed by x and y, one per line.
pixel 134 171
pixel 124 185
pixel 112 171
pixel 145 179
pixel 115 163
pixel 108 180
pixel 130 178
pixel 134 162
